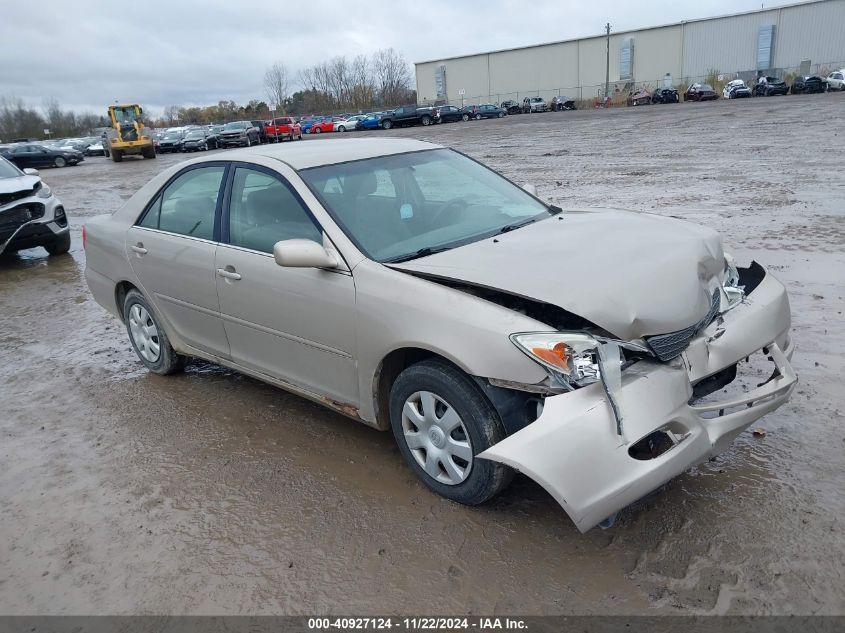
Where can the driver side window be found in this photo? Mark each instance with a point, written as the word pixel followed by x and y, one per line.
pixel 264 210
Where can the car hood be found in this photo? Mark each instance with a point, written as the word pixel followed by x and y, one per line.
pixel 18 183
pixel 631 274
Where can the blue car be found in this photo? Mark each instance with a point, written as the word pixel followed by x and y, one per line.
pixel 306 124
pixel 371 122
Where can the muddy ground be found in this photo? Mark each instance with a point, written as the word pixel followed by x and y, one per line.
pixel 206 493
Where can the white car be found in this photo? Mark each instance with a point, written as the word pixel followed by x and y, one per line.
pixel 30 215
pixel 348 125
pixel 836 80
pixel 736 89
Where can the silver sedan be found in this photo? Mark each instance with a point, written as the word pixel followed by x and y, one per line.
pixel 414 289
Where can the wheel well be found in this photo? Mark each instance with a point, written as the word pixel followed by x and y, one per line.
pixel 390 367
pixel 517 409
pixel 120 292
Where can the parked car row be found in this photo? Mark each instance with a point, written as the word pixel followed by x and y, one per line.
pixel 766 86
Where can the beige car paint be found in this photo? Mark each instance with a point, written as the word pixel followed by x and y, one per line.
pixel 627 273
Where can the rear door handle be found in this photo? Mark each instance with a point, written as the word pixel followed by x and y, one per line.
pixel 139 248
pixel 228 274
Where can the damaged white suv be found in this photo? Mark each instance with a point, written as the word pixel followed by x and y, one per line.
pixel 410 287
pixel 30 214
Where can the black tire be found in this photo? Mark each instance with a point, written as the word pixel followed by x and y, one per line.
pixel 500 115
pixel 465 117
pixel 168 361
pixel 60 246
pixel 386 125
pixel 117 155
pixel 477 117
pixel 60 162
pixel 483 425
pixel 341 128
pixel 317 130
pixel 426 120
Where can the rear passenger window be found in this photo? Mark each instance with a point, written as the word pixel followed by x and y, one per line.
pixel 264 211
pixel 187 205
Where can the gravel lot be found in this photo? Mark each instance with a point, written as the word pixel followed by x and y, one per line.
pixel 124 492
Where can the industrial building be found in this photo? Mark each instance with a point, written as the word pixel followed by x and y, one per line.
pixel 799 38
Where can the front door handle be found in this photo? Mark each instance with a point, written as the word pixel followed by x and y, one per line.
pixel 139 248
pixel 228 273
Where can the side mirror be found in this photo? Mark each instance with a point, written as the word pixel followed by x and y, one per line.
pixel 303 254
pixel 29 171
pixel 532 189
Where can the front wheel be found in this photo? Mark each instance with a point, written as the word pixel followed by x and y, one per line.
pixel 60 162
pixel 60 246
pixel 477 117
pixel 317 130
pixel 426 120
pixel 441 421
pixel 148 338
pixel 500 115
pixel 387 124
pixel 465 117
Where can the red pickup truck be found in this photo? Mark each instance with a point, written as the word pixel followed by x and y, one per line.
pixel 283 127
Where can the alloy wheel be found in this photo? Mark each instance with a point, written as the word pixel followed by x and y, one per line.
pixel 437 437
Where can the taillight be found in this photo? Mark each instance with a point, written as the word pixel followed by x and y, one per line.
pixel 84 238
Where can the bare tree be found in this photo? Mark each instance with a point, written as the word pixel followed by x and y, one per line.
pixel 277 85
pixel 393 76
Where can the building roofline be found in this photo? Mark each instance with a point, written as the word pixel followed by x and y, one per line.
pixel 645 28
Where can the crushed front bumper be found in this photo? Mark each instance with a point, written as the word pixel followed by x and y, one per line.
pixel 573 449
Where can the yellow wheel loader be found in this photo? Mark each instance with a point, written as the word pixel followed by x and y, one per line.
pixel 128 135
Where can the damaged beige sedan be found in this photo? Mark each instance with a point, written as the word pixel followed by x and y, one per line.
pixel 410 287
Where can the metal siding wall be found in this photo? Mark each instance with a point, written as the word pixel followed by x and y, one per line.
pixel 657 52
pixel 726 44
pixel 547 68
pixel 815 32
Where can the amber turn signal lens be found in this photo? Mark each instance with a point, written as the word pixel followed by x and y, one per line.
pixel 557 356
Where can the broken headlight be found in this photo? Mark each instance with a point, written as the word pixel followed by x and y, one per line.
pixel 734 292
pixel 571 357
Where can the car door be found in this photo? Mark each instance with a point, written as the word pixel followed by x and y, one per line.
pixel 171 249
pixel 293 324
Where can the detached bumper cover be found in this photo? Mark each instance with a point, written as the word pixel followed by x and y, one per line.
pixel 573 449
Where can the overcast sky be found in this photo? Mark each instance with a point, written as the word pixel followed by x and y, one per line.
pixel 87 53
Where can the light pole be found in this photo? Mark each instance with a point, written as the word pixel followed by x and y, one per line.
pixel 607 68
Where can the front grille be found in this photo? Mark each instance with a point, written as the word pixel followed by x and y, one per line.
pixel 16 216
pixel 668 346
pixel 7 198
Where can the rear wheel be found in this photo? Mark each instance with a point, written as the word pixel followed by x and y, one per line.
pixel 465 117
pixel 441 421
pixel 317 130
pixel 426 120
pixel 60 246
pixel 148 338
pixel 117 155
pixel 60 162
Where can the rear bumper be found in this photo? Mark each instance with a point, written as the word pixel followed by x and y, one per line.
pixel 575 453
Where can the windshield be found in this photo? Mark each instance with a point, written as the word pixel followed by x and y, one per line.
pixel 172 135
pixel 237 125
pixel 8 170
pixel 196 134
pixel 410 205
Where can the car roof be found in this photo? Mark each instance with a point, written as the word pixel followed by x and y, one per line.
pixel 330 151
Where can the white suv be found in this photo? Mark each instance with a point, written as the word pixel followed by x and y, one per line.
pixel 836 80
pixel 30 215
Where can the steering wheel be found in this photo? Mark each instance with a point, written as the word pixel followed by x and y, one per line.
pixel 454 205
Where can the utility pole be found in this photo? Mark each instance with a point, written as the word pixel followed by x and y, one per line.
pixel 607 68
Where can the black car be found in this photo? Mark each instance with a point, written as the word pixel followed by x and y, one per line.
pixel 198 140
pixel 242 133
pixel 261 126
pixel 483 111
pixel 171 142
pixel 665 95
pixel 33 155
pixel 511 107
pixel 769 87
pixel 562 103
pixel 808 84
pixel 448 114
